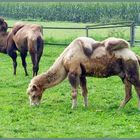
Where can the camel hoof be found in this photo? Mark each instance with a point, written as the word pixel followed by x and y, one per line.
pixel 73 107
pixel 86 106
pixel 120 108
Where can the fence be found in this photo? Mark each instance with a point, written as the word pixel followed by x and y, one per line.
pixel 87 28
pixel 129 24
pixel 116 25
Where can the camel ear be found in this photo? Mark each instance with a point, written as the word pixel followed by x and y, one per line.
pixel 31 89
pixel 34 87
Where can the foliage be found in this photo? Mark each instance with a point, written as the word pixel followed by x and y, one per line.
pixel 76 12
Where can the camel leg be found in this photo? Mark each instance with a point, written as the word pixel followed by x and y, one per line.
pixel 13 55
pixel 74 81
pixel 23 58
pixel 33 53
pixel 138 93
pixel 40 44
pixel 128 93
pixel 34 63
pixel 84 89
pixel 38 60
pixel 132 74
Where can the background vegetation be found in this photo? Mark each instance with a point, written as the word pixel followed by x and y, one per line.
pixel 75 12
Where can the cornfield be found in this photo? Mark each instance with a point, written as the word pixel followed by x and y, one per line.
pixel 76 12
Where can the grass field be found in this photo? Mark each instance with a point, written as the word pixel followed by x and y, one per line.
pixel 54 118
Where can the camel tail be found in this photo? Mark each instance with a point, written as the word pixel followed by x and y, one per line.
pixel 40 43
pixel 138 57
pixel 36 52
pixel 39 48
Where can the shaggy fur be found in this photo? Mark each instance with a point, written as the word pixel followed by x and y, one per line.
pixel 25 37
pixel 87 57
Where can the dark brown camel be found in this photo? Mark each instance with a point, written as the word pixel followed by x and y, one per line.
pixel 3 35
pixel 25 37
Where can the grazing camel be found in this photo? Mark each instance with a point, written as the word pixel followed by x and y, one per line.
pixel 25 37
pixel 87 57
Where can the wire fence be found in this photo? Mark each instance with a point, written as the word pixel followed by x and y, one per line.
pixel 87 28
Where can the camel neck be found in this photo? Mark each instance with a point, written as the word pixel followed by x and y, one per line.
pixel 3 41
pixel 3 50
pixel 54 76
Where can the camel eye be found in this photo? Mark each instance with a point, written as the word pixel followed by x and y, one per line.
pixel 32 90
pixel 33 96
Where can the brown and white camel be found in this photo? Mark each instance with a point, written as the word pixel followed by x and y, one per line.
pixel 25 37
pixel 87 57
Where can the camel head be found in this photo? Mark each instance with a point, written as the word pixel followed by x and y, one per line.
pixel 3 25
pixel 35 94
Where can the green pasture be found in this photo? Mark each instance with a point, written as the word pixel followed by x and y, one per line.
pixel 54 118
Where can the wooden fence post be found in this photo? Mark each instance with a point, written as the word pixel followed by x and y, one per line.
pixel 86 31
pixel 132 34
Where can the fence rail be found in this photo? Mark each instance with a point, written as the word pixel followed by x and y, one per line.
pixel 130 24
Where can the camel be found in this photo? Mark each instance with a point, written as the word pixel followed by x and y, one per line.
pixel 25 37
pixel 87 57
pixel 3 35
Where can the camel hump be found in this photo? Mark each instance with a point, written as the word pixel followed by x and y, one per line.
pixel 17 27
pixel 88 45
pixel 113 44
